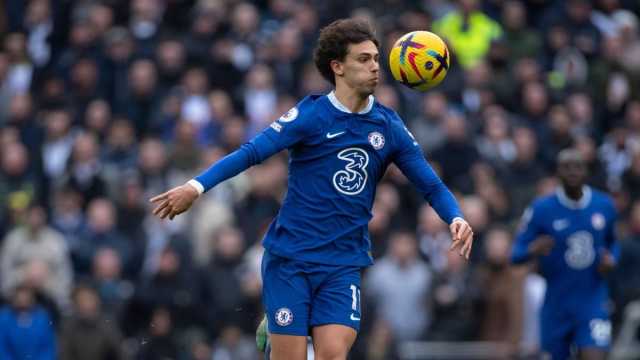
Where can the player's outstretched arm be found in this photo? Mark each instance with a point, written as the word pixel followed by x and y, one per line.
pixel 180 199
pixel 411 161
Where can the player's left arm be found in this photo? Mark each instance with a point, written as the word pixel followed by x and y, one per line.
pixel 410 160
pixel 610 255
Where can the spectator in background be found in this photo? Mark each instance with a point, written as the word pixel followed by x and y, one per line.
pixel 18 184
pixel 454 302
pixel 87 334
pixel 84 172
pixel 233 344
pixel 142 97
pixel 469 31
pixel 36 255
pixel 224 274
pixel 502 296
pixel 159 340
pixel 101 232
pixel 521 40
pixel 58 143
pixel 176 287
pixel 112 289
pixel 401 280
pixel 626 280
pixel 525 170
pixel 457 153
pixel 26 330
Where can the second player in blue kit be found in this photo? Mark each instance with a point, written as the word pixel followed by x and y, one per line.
pixel 340 145
pixel 571 232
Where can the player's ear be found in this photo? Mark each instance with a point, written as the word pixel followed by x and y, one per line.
pixel 337 67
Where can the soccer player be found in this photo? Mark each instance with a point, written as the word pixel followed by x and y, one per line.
pixel 340 145
pixel 571 232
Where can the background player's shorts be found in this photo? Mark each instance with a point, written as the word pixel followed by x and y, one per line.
pixel 589 328
pixel 298 295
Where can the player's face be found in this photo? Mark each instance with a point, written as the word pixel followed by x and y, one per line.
pixel 572 173
pixel 360 68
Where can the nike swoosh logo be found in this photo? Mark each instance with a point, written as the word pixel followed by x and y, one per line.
pixel 354 318
pixel 331 136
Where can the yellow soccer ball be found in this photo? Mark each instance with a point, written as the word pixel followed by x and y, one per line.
pixel 419 60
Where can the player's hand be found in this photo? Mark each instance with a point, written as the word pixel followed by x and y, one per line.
pixel 462 236
pixel 607 262
pixel 175 201
pixel 541 246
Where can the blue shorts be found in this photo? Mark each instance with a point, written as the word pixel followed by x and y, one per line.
pixel 299 295
pixel 587 328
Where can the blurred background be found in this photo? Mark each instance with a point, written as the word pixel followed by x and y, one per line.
pixel 104 104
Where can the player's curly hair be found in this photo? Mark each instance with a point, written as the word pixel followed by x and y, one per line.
pixel 334 41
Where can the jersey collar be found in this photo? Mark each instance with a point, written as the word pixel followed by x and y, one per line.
pixel 581 203
pixel 338 105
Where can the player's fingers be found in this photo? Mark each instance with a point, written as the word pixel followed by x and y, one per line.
pixel 160 207
pixel 468 245
pixel 165 212
pixel 466 241
pixel 157 198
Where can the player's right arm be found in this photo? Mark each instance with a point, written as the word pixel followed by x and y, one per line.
pixel 531 240
pixel 285 132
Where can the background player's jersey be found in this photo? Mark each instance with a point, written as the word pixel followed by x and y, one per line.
pixel 336 159
pixel 581 230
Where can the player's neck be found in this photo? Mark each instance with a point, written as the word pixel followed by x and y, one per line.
pixel 573 193
pixel 351 99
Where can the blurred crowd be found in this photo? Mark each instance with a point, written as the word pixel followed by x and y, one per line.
pixel 104 104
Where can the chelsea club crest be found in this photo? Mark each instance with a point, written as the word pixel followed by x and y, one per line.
pixel 376 140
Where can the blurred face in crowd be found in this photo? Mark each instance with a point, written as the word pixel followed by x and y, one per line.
pixel 513 15
pixel 85 149
pixel 455 127
pixel 153 157
pixel 38 12
pixel 143 77
pixel 15 159
pixel 120 45
pixel 22 299
pixel 476 212
pixel 526 144
pixel 535 98
pixel 498 247
pixel 229 244
pixel 169 262
pixel 36 217
pixel 98 115
pixel 171 56
pixel 195 81
pixel 87 303
pixel 84 75
pixel 101 215
pixel 403 248
pixel 572 169
pixel 496 126
pixel 101 16
pixel 559 120
pixel 58 123
pixel 434 105
pixel 360 68
pixel 121 134
pixel 20 108
pixel 245 19
pixel 15 44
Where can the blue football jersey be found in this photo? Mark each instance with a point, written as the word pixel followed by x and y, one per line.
pixel 335 160
pixel 581 230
